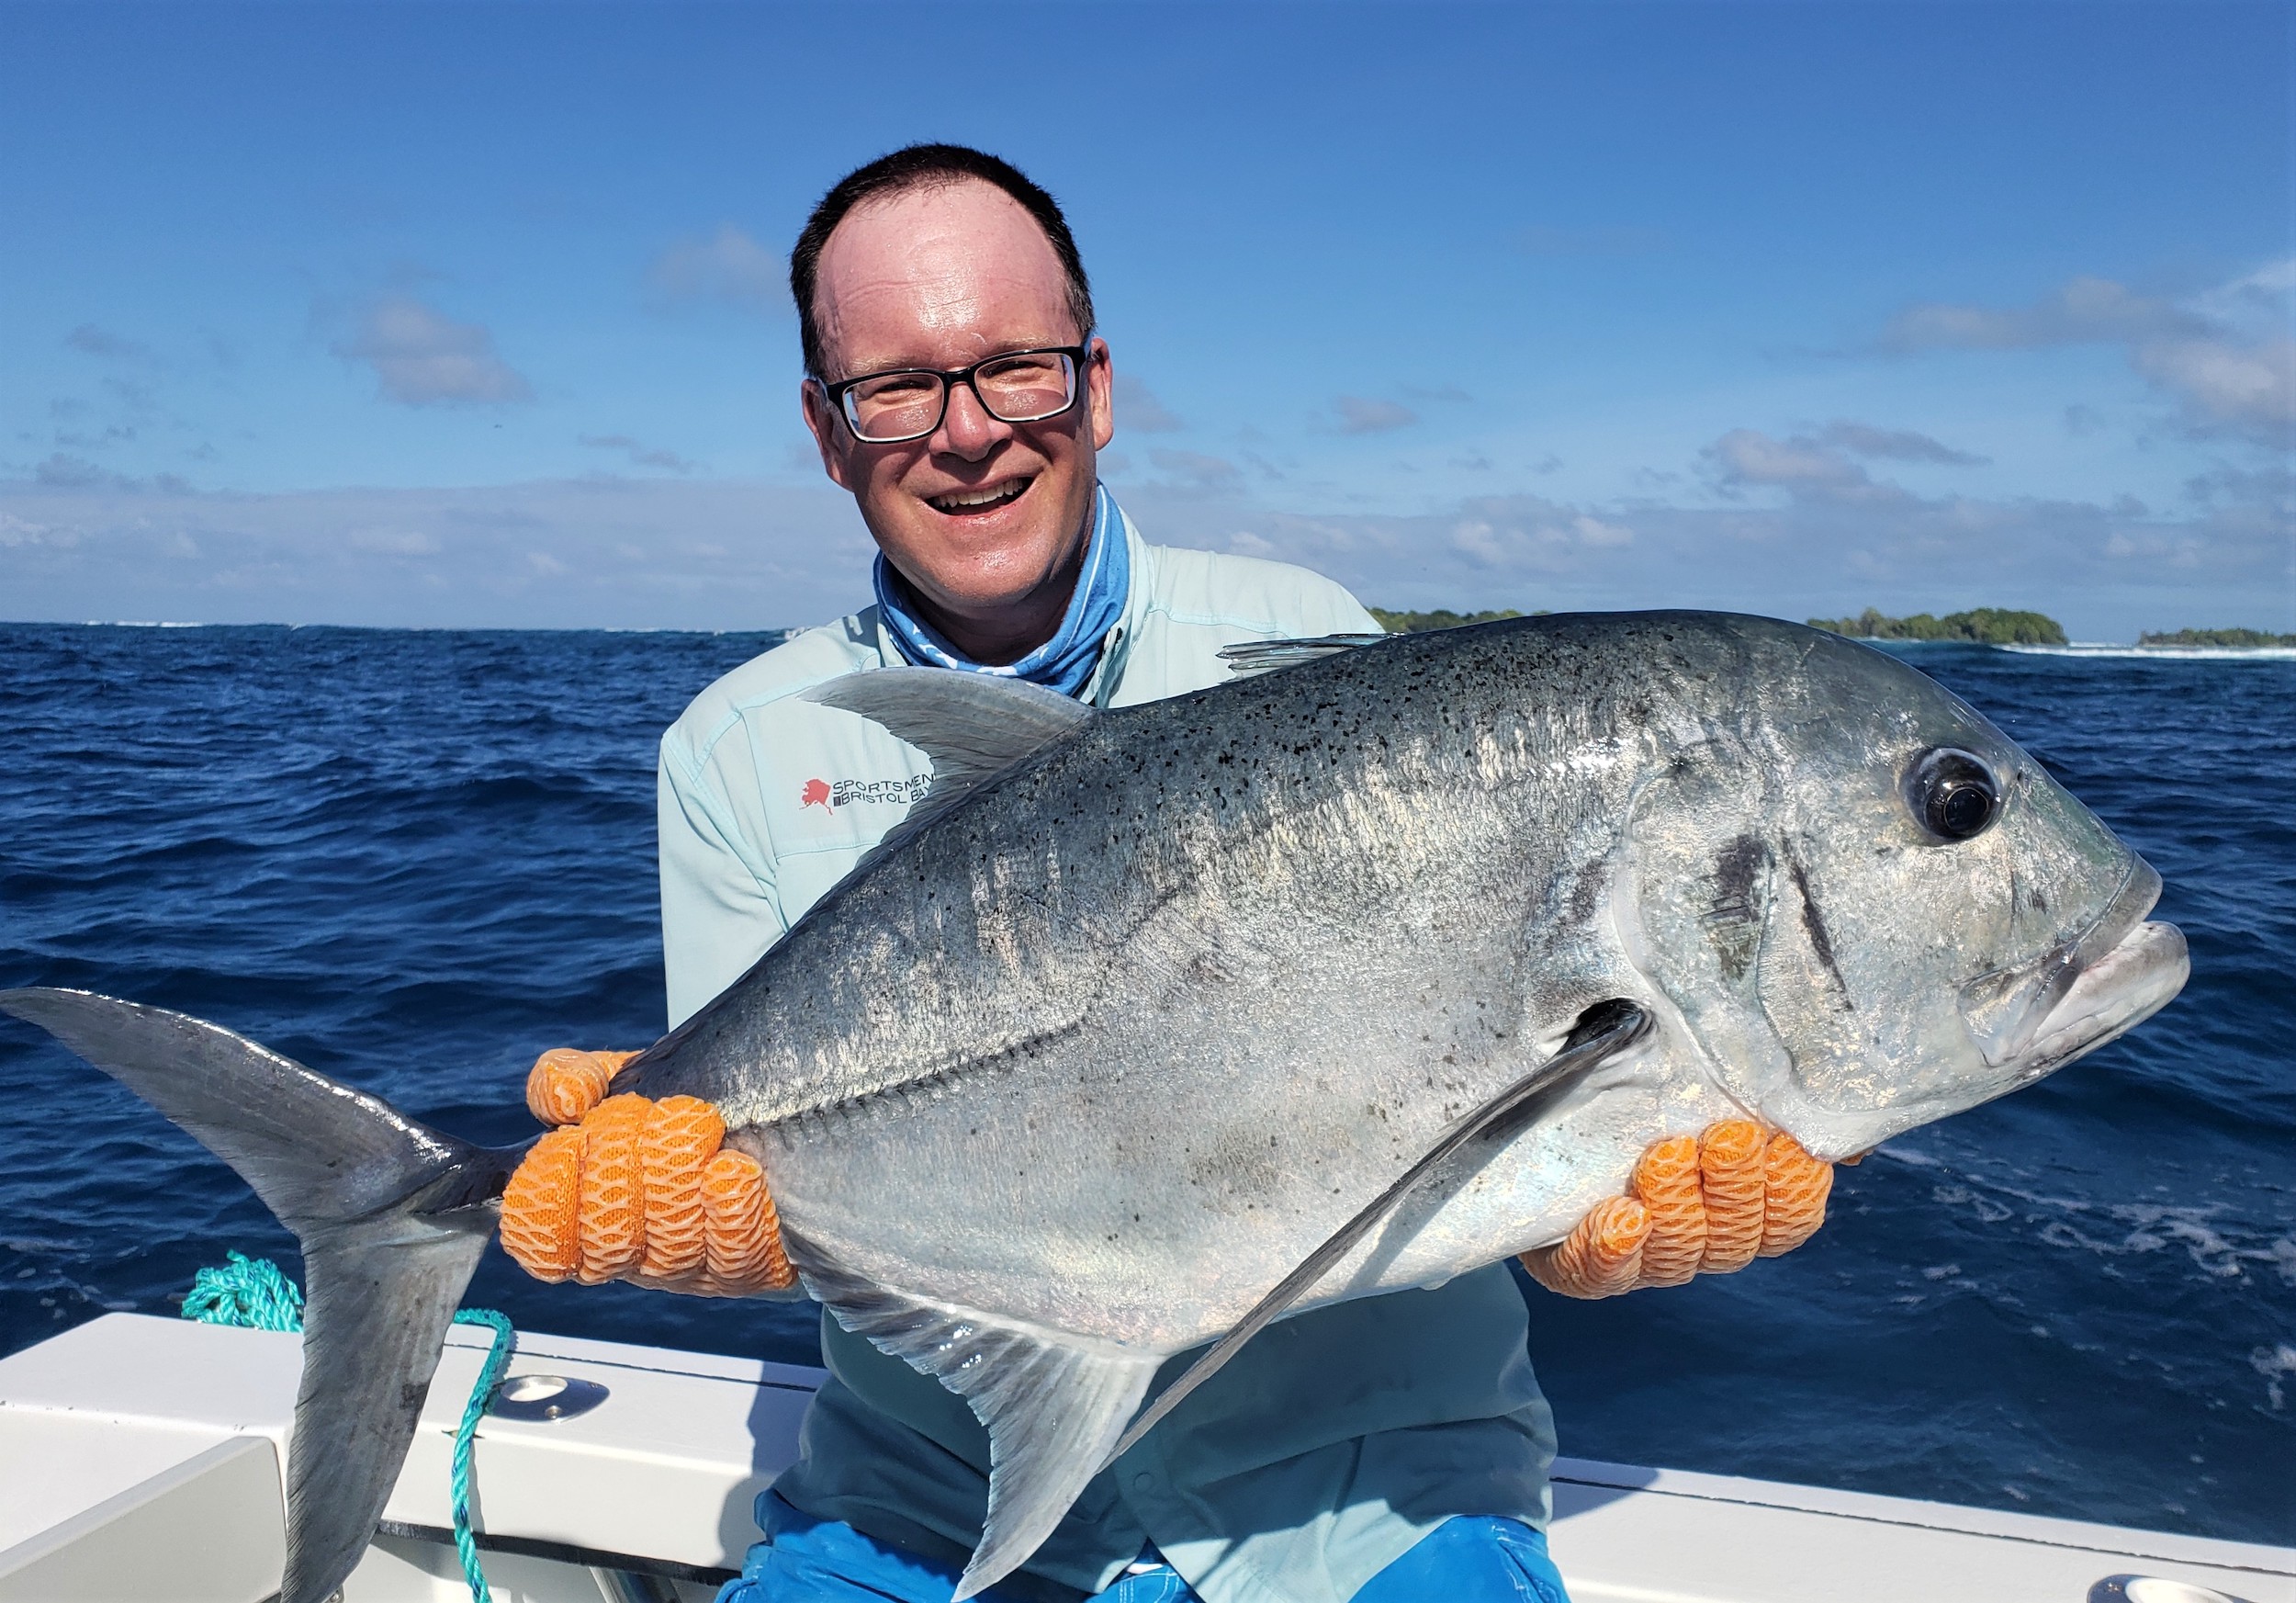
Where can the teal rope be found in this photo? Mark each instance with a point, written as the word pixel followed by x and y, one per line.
pixel 489 1377
pixel 253 1293
pixel 250 1292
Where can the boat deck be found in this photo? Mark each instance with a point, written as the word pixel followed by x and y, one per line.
pixel 142 1461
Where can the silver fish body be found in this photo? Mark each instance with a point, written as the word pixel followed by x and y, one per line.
pixel 1146 1010
pixel 1114 1042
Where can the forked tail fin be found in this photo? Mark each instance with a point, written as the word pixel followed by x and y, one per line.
pixel 392 1217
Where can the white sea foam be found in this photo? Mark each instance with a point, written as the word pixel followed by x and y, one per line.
pixel 2210 1240
pixel 2164 653
pixel 2272 1364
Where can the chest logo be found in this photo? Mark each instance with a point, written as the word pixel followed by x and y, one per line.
pixel 830 795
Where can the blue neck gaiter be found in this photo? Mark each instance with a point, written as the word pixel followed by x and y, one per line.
pixel 1064 662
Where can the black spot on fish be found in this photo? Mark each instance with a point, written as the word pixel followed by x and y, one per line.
pixel 1586 893
pixel 1813 923
pixel 1733 919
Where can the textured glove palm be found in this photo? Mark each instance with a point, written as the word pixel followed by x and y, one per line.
pixel 1697 1205
pixel 629 1189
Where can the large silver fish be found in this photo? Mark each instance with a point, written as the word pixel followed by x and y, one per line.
pixel 1152 1025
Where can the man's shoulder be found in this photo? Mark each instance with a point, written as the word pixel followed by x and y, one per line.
pixel 1217 590
pixel 772 679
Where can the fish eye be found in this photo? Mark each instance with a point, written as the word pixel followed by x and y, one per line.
pixel 1953 794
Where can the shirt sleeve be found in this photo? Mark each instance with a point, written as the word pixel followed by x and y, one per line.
pixel 720 904
pixel 1350 617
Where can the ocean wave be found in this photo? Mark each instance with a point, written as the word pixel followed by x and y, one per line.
pixel 2164 653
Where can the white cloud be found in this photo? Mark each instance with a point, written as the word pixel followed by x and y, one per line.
pixel 1751 457
pixel 422 357
pixel 2106 569
pixel 17 531
pixel 1197 472
pixel 641 455
pixel 2245 387
pixel 89 340
pixel 1895 444
pixel 652 552
pixel 726 265
pixel 1820 466
pixel 669 552
pixel 2222 354
pixel 1593 531
pixel 396 542
pixel 2084 311
pixel 1358 415
pixel 1136 408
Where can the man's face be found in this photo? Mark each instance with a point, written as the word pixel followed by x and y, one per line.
pixel 982 518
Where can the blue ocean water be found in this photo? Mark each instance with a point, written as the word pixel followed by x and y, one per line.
pixel 412 860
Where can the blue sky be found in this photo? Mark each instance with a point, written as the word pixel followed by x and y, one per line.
pixel 441 314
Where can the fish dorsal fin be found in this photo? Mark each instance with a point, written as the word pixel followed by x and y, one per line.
pixel 1249 656
pixel 1602 1032
pixel 1052 1403
pixel 973 726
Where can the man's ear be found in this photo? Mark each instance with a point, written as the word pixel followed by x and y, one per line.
pixel 827 429
pixel 1099 387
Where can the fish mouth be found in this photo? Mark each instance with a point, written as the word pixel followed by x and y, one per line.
pixel 2083 991
pixel 2124 987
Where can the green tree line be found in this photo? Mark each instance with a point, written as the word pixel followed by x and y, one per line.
pixel 2216 637
pixel 1412 622
pixel 1989 626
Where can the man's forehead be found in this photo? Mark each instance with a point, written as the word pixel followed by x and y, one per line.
pixel 938 274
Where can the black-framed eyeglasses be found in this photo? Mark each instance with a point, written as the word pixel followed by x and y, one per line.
pixel 884 409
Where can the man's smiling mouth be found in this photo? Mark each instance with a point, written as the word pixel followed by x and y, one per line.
pixel 958 503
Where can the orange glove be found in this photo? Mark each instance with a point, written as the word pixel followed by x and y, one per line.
pixel 1707 1204
pixel 630 1189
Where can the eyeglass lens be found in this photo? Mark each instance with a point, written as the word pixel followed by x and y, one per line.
pixel 1022 388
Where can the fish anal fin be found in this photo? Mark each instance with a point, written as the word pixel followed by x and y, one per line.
pixel 1054 1403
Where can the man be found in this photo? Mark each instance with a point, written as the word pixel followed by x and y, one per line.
pixel 1381 1449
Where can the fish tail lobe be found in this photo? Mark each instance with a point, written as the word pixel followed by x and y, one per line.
pixel 392 1217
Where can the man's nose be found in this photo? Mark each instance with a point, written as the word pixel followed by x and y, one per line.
pixel 966 428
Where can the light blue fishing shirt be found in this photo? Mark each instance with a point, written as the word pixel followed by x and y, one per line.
pixel 1335 1440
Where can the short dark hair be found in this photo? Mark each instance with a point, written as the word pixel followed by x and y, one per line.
pixel 917 167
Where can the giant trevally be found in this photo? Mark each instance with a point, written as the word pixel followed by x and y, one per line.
pixel 1152 1025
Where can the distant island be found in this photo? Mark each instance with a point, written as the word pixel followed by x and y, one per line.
pixel 2251 638
pixel 1413 623
pixel 1988 625
pixel 1983 625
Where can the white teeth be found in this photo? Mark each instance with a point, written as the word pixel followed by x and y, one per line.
pixel 964 500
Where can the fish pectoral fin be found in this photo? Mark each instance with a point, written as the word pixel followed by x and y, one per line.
pixel 1602 1032
pixel 1247 658
pixel 1052 1403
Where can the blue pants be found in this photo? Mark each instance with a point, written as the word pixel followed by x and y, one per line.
pixel 1463 1560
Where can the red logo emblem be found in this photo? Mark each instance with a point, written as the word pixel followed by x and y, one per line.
pixel 816 793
